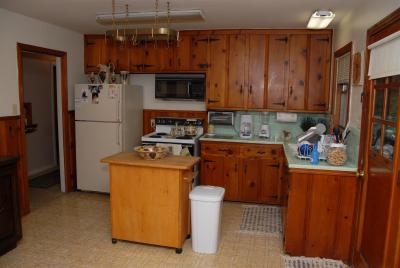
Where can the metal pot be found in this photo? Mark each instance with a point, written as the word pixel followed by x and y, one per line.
pixel 190 130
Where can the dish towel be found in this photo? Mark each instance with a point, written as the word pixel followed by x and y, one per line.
pixel 175 149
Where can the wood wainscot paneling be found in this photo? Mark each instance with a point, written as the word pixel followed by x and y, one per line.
pixel 10 128
pixel 149 115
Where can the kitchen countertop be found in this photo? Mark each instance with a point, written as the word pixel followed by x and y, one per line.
pixel 171 161
pixel 293 161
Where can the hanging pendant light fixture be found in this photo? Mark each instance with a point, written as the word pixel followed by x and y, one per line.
pixel 138 35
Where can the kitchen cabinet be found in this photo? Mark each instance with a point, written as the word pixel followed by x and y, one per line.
pixel 10 223
pixel 320 214
pixel 120 57
pixel 182 53
pixel 150 199
pixel 249 173
pixel 94 52
pixel 151 57
pixel 319 73
pixel 199 51
pixel 246 71
pixel 287 72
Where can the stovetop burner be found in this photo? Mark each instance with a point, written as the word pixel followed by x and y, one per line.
pixel 185 137
pixel 162 134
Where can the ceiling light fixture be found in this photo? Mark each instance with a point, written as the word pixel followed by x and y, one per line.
pixel 320 19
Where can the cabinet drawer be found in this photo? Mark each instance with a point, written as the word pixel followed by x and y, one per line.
pixel 220 149
pixel 263 151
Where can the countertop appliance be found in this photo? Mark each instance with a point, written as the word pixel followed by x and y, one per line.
pixel 108 120
pixel 246 126
pixel 179 144
pixel 180 86
pixel 221 118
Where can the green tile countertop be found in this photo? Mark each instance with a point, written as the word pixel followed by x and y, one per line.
pixel 292 160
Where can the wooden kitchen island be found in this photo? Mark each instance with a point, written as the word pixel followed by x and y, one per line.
pixel 149 199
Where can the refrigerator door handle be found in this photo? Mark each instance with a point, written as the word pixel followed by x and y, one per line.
pixel 118 141
pixel 118 111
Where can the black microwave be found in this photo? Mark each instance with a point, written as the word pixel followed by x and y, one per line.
pixel 180 86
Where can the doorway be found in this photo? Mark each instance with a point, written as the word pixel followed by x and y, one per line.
pixel 41 122
pixel 61 149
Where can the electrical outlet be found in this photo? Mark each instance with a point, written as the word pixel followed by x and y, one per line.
pixel 15 109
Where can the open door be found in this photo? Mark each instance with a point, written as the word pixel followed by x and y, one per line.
pixel 378 242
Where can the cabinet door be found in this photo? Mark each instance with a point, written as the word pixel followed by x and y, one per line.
pixel 231 178
pixel 250 179
pixel 278 66
pixel 256 79
pixel 199 53
pixel 151 56
pixel 297 73
pixel 216 74
pixel 120 57
pixel 136 59
pixel 237 71
pixel 182 52
pixel 212 170
pixel 94 48
pixel 270 182
pixel 165 55
pixel 318 90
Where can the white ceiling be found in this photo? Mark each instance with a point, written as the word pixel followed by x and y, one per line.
pixel 79 15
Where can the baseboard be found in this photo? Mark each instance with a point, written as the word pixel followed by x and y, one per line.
pixel 39 172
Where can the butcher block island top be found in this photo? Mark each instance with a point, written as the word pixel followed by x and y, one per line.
pixel 132 159
pixel 149 199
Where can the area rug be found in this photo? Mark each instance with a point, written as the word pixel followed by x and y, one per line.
pixel 46 180
pixel 261 220
pixel 303 262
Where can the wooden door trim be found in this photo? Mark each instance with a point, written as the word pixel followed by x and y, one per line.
pixel 23 183
pixel 378 31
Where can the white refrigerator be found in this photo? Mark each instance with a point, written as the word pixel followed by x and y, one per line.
pixel 108 120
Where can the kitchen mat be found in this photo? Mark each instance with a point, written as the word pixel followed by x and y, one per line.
pixel 303 262
pixel 261 219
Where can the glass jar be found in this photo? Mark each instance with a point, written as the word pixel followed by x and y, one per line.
pixel 337 154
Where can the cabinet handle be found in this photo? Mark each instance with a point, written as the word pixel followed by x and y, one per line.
pixel 212 101
pixel 241 89
pixel 203 65
pixel 260 152
pixel 147 65
pixel 320 104
pixel 251 89
pixel 279 103
pixel 290 90
pixel 245 168
pixel 202 40
pixel 285 39
pixel 213 39
pixel 252 184
pixel 208 161
pixel 229 151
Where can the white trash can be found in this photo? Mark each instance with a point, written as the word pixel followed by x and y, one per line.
pixel 206 204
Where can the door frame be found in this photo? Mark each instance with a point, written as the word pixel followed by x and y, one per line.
pixel 23 167
pixel 378 31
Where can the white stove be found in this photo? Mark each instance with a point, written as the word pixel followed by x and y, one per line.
pixel 164 127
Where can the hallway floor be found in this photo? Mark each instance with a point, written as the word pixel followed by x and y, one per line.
pixel 73 230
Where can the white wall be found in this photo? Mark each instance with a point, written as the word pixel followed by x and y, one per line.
pixel 38 90
pixel 147 81
pixel 16 28
pixel 353 27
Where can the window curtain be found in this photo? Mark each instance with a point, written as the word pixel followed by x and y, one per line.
pixel 385 57
pixel 343 69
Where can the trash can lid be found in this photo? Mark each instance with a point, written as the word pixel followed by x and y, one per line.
pixel 207 193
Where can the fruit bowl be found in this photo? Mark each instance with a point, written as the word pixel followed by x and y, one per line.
pixel 151 152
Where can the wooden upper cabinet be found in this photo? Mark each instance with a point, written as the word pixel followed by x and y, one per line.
pixel 94 52
pixel 216 73
pixel 136 58
pixel 237 71
pixel 199 60
pixel 297 72
pixel 256 71
pixel 278 68
pixel 182 53
pixel 120 57
pixel 319 73
pixel 151 56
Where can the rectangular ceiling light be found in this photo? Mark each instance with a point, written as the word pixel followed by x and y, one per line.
pixel 320 19
pixel 176 16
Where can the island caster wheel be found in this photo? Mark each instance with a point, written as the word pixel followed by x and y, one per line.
pixel 188 236
pixel 178 251
pixel 114 241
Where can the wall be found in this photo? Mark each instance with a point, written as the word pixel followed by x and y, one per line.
pixel 147 81
pixel 353 27
pixel 38 90
pixel 18 28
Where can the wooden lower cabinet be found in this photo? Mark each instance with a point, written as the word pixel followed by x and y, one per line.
pixel 320 214
pixel 249 173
